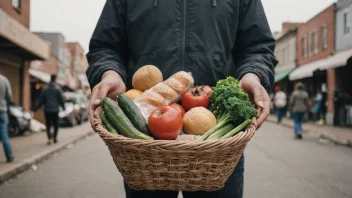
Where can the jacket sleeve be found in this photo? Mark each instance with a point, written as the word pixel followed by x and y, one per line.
pixel 254 45
pixel 108 48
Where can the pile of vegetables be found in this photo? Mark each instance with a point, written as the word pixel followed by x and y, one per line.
pixel 177 108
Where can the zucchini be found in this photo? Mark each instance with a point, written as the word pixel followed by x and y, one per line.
pixel 132 112
pixel 121 123
pixel 107 124
pixel 221 132
pixel 236 130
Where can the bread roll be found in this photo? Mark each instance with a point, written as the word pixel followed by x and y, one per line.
pixel 152 98
pixel 165 91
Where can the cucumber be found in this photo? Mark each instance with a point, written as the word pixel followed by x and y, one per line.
pixel 132 112
pixel 107 124
pixel 121 123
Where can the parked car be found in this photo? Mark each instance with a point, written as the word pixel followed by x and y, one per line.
pixel 76 109
pixel 19 120
pixel 69 116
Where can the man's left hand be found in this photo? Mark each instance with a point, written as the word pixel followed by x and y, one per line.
pixel 250 83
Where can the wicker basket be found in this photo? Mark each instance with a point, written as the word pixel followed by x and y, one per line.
pixel 175 165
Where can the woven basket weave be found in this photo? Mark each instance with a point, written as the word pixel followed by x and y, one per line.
pixel 175 165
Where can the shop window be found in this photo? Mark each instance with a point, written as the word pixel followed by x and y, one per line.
pixel 347 23
pixel 16 4
pixel 324 32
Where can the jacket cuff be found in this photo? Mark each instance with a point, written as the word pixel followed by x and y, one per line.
pixel 264 78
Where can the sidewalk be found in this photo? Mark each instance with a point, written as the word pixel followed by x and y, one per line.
pixel 338 135
pixel 31 149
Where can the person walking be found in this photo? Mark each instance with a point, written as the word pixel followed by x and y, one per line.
pixel 299 106
pixel 211 39
pixel 51 98
pixel 5 98
pixel 280 102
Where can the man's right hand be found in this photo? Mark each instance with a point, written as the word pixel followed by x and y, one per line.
pixel 111 83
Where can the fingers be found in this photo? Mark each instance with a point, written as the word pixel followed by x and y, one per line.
pixel 98 94
pixel 258 96
pixel 265 110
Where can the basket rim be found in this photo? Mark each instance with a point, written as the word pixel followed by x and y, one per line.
pixel 243 136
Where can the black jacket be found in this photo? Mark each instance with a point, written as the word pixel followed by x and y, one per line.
pixel 52 98
pixel 212 39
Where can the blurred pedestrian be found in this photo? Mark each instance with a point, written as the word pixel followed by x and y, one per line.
pixel 51 98
pixel 5 98
pixel 316 109
pixel 280 102
pixel 299 106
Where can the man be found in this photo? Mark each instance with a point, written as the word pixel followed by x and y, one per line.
pixel 212 39
pixel 5 98
pixel 280 101
pixel 52 98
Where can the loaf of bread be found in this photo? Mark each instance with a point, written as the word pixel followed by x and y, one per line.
pixel 180 81
pixel 167 92
pixel 152 98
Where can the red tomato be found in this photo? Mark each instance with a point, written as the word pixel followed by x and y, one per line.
pixel 207 89
pixel 196 98
pixel 179 108
pixel 165 123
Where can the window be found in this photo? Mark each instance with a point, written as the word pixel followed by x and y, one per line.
pixel 346 23
pixel 315 42
pixel 304 47
pixel 16 4
pixel 324 32
pixel 310 46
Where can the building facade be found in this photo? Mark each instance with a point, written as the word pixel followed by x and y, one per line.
pixel 315 44
pixel 18 46
pixel 59 62
pixel 285 52
pixel 343 25
pixel 342 71
pixel 79 64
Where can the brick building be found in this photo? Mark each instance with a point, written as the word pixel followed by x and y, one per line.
pixel 317 57
pixel 315 43
pixel 18 46
pixel 79 63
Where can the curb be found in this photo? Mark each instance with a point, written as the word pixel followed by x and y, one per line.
pixel 27 163
pixel 347 143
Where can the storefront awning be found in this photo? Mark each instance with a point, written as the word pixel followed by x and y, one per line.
pixel 282 75
pixel 16 38
pixel 337 60
pixel 307 70
pixel 42 76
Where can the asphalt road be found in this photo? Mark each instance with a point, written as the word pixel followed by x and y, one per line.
pixel 276 166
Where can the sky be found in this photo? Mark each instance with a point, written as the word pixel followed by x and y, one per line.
pixel 76 19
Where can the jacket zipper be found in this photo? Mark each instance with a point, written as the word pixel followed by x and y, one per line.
pixel 184 34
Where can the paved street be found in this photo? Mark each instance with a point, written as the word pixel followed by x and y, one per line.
pixel 276 166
